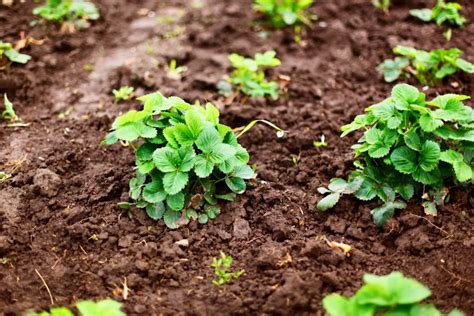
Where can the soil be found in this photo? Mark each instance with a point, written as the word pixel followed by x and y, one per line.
pixel 58 214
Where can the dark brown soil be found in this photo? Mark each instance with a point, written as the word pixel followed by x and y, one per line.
pixel 58 213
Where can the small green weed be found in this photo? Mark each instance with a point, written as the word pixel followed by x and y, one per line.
pixel 221 266
pixel 283 13
pixel 106 307
pixel 8 54
pixel 382 5
pixel 125 93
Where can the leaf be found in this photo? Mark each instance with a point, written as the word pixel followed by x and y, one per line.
pixel 429 155
pixel 202 219
pixel 236 184
pixel 195 122
pixel 336 305
pixel 208 139
pixel 156 211
pixel 463 171
pixel 385 212
pixel 175 181
pixel 244 172
pixel 221 152
pixel 145 152
pixel 405 92
pixel 406 191
pixel 379 150
pixel 367 191
pixel 106 307
pixel 404 160
pixel 153 192
pixel 328 201
pixel 212 211
pixel 425 177
pixel 430 208
pixel 422 14
pixel 17 57
pixel 464 65
pixel 202 166
pixel 412 140
pixel 176 201
pixel 171 218
pixel 186 158
pixel 183 135
pixel 429 124
pixel 166 159
pixel 338 185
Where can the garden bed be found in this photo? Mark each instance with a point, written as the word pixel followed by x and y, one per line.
pixel 59 214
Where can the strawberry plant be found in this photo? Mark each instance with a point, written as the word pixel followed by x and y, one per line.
pixel 186 160
pixel 123 94
pixel 221 266
pixel 443 13
pixel 249 74
pixel 8 54
pixel 72 14
pixel 382 4
pixel 284 12
pixel 410 146
pixel 427 67
pixel 106 307
pixel 389 295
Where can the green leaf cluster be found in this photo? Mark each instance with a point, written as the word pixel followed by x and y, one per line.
pixel 427 67
pixel 106 307
pixel 186 160
pixel 123 94
pixel 249 74
pixel 283 13
pixel 442 13
pixel 409 145
pixel 77 12
pixel 221 266
pixel 389 295
pixel 10 54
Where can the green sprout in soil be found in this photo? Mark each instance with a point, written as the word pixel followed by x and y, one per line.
pixel 283 13
pixel 443 13
pixel 427 67
pixel 382 5
pixel 321 142
pixel 106 307
pixel 8 54
pixel 249 74
pixel 71 14
pixel 221 266
pixel 175 71
pixel 4 176
pixel 186 160
pixel 410 147
pixel 9 113
pixel 123 94
pixel 389 295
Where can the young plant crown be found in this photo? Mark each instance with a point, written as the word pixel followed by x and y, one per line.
pixel 8 54
pixel 389 295
pixel 443 13
pixel 186 160
pixel 409 146
pixel 284 12
pixel 106 307
pixel 249 74
pixel 427 67
pixel 76 13
pixel 221 266
pixel 123 94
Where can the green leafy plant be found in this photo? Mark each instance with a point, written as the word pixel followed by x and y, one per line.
pixel 186 160
pixel 249 74
pixel 427 67
pixel 106 307
pixel 9 113
pixel 284 12
pixel 443 13
pixel 409 146
pixel 72 14
pixel 221 266
pixel 123 94
pixel 382 4
pixel 8 54
pixel 389 295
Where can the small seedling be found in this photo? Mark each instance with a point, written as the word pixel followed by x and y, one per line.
pixel 382 5
pixel 125 93
pixel 186 160
pixel 3 260
pixel 86 308
pixel 8 54
pixel 175 71
pixel 249 74
pixel 4 176
pixel 221 265
pixel 283 13
pixel 392 294
pixel 443 13
pixel 427 67
pixel 71 14
pixel 410 146
pixel 321 142
pixel 9 113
